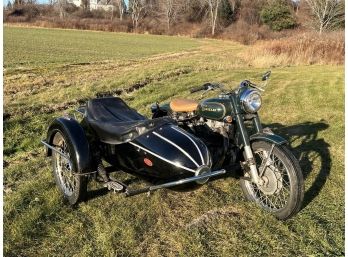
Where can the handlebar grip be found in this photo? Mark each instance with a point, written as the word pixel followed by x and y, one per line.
pixel 196 89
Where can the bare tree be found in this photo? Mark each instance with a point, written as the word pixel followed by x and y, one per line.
pixel 9 5
pixel 326 12
pixel 235 4
pixel 61 8
pixel 85 5
pixel 121 6
pixel 138 9
pixel 18 2
pixel 213 6
pixel 52 2
pixel 169 9
pixel 295 5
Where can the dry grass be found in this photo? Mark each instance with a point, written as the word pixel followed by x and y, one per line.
pixel 305 48
pixel 245 33
pixel 84 24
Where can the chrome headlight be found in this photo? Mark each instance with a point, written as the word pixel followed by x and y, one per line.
pixel 251 100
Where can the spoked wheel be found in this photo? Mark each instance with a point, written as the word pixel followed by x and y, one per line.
pixel 72 186
pixel 282 190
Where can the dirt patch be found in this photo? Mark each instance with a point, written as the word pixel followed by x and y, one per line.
pixel 213 215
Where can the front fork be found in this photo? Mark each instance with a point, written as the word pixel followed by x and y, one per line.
pixel 250 160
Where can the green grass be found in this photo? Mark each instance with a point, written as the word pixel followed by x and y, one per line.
pixel 302 103
pixel 48 47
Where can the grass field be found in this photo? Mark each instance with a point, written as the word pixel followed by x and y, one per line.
pixel 48 72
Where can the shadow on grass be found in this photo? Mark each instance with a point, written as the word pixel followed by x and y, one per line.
pixel 309 149
pixel 95 193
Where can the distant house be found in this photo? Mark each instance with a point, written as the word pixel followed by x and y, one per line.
pixel 95 4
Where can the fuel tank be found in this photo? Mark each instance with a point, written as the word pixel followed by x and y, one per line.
pixel 215 108
pixel 166 152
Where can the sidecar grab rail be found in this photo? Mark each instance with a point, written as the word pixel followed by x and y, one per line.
pixel 56 150
pixel 175 183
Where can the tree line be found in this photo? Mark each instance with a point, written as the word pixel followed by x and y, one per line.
pixel 277 15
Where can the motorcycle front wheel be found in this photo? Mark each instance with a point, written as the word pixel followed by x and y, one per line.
pixel 283 187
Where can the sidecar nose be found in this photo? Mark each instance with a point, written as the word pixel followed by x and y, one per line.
pixel 172 151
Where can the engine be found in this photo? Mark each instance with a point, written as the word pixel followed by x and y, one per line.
pixel 214 134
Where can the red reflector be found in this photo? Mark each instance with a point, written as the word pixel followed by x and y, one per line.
pixel 148 162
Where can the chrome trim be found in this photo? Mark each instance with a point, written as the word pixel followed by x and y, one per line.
pixel 175 183
pixel 162 158
pixel 178 147
pixel 187 180
pixel 244 103
pixel 199 150
pixel 252 166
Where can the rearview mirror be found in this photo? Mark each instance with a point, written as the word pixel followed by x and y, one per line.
pixel 266 75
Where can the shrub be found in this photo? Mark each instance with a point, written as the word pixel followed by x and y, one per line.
pixel 28 12
pixel 249 11
pixel 247 34
pixel 277 15
pixel 301 48
pixel 226 15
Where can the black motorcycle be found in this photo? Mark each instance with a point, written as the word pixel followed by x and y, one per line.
pixel 185 142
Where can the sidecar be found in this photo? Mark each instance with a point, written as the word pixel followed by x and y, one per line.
pixel 112 132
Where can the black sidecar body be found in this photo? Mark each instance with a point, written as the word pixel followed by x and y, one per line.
pixel 112 131
pixel 149 147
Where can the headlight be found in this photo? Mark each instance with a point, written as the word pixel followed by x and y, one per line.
pixel 250 100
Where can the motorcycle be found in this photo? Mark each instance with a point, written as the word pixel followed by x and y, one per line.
pixel 184 142
pixel 272 176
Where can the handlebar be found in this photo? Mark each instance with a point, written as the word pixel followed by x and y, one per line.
pixel 206 86
pixel 245 83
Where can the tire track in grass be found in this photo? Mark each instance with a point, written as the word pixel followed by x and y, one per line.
pixel 48 109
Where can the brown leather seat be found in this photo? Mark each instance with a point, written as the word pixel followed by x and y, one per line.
pixel 183 105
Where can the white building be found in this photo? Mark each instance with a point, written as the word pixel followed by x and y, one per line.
pixel 95 4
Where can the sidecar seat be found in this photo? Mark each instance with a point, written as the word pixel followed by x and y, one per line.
pixel 115 122
pixel 183 105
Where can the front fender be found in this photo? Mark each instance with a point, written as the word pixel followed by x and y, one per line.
pixel 272 138
pixel 76 135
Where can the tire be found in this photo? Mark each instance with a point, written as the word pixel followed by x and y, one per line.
pixel 73 187
pixel 283 191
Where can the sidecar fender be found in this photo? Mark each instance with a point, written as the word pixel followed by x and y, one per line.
pixel 76 135
pixel 272 138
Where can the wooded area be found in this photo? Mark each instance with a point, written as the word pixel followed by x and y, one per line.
pixel 243 20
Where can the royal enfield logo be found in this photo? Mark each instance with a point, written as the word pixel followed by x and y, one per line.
pixel 209 109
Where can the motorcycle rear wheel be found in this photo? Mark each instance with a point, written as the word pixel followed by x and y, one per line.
pixel 283 189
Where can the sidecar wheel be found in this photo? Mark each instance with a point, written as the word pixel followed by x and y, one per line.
pixel 73 187
pixel 282 193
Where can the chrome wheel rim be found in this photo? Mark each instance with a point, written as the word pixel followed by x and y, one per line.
pixel 63 169
pixel 275 193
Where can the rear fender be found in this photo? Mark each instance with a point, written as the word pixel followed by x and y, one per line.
pixel 73 132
